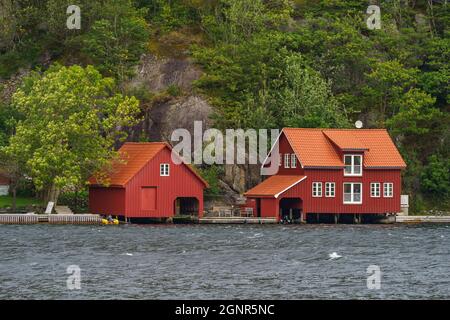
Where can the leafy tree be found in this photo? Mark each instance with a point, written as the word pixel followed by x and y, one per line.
pixel 72 117
pixel 116 43
pixel 436 176
pixel 305 99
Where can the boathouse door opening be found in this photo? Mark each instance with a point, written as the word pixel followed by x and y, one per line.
pixel 291 210
pixel 186 206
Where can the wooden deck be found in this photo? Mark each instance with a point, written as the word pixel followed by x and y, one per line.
pixel 422 219
pixel 237 220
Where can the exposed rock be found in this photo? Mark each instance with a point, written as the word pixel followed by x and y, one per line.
pixel 164 118
pixel 241 177
pixel 157 74
pixel 9 87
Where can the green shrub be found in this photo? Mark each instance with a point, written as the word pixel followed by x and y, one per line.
pixel 78 201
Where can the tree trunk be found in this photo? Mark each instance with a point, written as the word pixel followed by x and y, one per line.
pixel 52 194
pixel 14 198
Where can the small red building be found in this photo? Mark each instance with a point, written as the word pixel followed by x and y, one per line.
pixel 146 183
pixel 331 172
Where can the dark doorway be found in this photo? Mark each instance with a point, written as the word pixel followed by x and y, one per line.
pixel 186 206
pixel 291 210
pixel 258 207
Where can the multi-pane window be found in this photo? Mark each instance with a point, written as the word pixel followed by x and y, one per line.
pixel 330 189
pixel 352 193
pixel 164 169
pixel 293 161
pixel 375 189
pixel 388 189
pixel 353 165
pixel 317 189
pixel 286 160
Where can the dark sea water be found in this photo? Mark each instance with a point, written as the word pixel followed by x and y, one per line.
pixel 224 262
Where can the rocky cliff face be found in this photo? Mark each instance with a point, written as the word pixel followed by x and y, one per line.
pixel 167 113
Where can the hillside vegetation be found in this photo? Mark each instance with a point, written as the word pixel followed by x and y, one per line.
pixel 266 64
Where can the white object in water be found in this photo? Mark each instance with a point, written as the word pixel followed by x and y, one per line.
pixel 334 255
pixel 128 254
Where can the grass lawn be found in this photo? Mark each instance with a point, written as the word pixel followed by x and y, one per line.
pixel 6 201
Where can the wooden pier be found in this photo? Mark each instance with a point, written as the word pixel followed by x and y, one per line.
pixel 422 219
pixel 237 220
pixel 50 218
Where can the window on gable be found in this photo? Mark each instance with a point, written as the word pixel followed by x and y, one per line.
pixel 286 160
pixel 280 159
pixel 353 165
pixel 375 189
pixel 388 189
pixel 330 189
pixel 317 189
pixel 293 161
pixel 352 193
pixel 164 169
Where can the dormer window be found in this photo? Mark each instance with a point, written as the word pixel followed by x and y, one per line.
pixel 353 165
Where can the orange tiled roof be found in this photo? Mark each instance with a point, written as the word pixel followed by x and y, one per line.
pixel 274 185
pixel 345 139
pixel 134 156
pixel 320 147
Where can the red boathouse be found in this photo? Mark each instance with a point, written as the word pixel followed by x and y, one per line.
pixel 146 183
pixel 331 172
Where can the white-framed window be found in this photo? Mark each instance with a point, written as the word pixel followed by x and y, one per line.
pixel 375 189
pixel 293 161
pixel 353 165
pixel 352 193
pixel 164 169
pixel 286 160
pixel 330 189
pixel 317 189
pixel 388 188
pixel 280 159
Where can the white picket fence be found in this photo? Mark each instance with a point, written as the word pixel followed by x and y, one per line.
pixel 19 219
pixel 51 218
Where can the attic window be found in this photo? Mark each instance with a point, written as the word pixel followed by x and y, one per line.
pixel 293 161
pixel 286 160
pixel 164 169
pixel 353 165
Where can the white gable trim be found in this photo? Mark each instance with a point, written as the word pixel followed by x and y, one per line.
pixel 278 194
pixel 297 155
pixel 273 146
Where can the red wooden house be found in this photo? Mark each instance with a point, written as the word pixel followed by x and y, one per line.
pixel 147 184
pixel 331 172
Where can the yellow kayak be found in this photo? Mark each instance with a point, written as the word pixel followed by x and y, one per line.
pixel 114 221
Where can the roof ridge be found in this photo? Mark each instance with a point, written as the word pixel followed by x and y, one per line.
pixel 152 142
pixel 337 129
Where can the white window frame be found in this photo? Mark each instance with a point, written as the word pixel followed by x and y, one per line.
pixel 317 189
pixel 164 169
pixel 280 159
pixel 352 193
pixel 330 189
pixel 391 189
pixel 352 165
pixel 286 160
pixel 375 190
pixel 293 160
